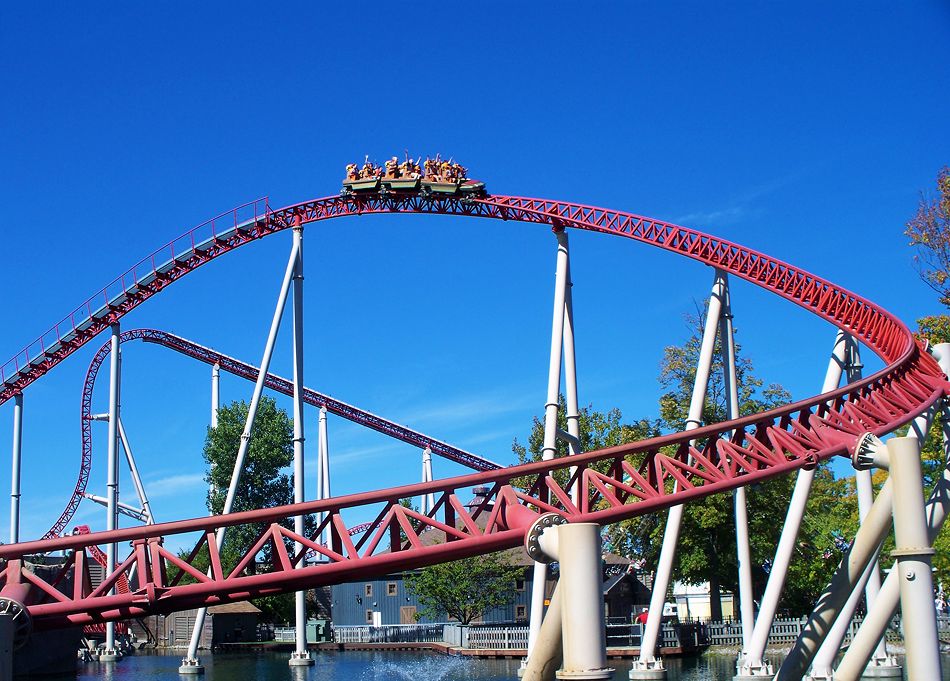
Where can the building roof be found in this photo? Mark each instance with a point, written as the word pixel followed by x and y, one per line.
pixel 241 607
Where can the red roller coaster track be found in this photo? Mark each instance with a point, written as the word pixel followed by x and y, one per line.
pixel 616 483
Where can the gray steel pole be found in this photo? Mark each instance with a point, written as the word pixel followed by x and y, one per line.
pixel 15 472
pixel 752 663
pixel 190 663
pixel 914 555
pixel 549 447
pixel 112 485
pixel 427 501
pixel 648 665
pixel 300 657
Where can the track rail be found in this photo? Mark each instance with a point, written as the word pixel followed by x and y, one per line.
pixel 249 372
pixel 616 483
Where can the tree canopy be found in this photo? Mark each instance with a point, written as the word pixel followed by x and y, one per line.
pixel 465 589
pixel 929 232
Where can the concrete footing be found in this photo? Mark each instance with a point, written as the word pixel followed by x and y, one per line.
pixel 109 656
pixel 883 671
pixel 644 671
pixel 757 673
pixel 189 666
pixel 300 659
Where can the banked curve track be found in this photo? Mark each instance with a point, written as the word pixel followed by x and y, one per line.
pixel 616 483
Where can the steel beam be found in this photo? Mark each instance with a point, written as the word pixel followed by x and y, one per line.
pixel 648 665
pixel 15 472
pixel 112 485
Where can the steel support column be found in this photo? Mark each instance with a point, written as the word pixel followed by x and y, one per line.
pixel 215 394
pixel 323 471
pixel 648 665
pixel 914 555
pixel 112 522
pixel 570 378
pixel 752 663
pixel 855 663
pixel 549 447
pixel 190 663
pixel 427 501
pixel 15 472
pixel 300 657
pixel 731 385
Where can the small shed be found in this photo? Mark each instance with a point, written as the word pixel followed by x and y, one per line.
pixel 228 623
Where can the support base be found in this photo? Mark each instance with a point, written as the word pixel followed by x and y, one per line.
pixel 647 672
pixel 109 656
pixel 300 659
pixel 755 673
pixel 593 674
pixel 893 671
pixel 191 667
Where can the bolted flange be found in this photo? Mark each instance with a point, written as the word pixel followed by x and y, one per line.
pixel 22 622
pixel 532 540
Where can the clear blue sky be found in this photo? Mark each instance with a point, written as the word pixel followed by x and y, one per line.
pixel 805 130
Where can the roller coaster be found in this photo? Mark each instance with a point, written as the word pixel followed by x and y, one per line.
pixel 603 486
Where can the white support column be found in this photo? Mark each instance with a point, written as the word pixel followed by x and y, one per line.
pixel 731 384
pixel 15 472
pixel 427 501
pixel 914 555
pixel 570 378
pixel 648 665
pixel 846 578
pixel 136 479
pixel 856 660
pixel 752 663
pixel 190 663
pixel 323 471
pixel 215 393
pixel 110 654
pixel 301 656
pixel 549 447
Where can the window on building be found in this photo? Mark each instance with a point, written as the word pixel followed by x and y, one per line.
pixel 368 590
pixel 519 585
pixel 369 616
pixel 521 612
pixel 391 589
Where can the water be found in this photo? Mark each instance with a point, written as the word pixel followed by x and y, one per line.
pixel 371 666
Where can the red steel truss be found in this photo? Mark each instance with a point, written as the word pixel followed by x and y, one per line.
pixel 616 483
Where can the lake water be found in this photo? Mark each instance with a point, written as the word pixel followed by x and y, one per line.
pixel 371 666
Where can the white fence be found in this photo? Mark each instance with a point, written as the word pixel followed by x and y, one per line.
pixel 515 637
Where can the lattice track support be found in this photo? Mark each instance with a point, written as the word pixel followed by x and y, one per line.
pixel 300 657
pixel 190 663
pixel 109 653
pixel 858 660
pixel 562 345
pixel 649 665
pixel 16 457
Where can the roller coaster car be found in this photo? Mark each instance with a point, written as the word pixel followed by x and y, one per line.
pixel 367 185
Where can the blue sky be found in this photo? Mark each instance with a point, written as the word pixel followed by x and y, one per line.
pixel 806 131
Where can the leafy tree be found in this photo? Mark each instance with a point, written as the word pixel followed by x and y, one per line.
pixel 263 482
pixel 929 232
pixel 465 589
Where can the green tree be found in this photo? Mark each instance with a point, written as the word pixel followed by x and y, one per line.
pixel 263 482
pixel 929 232
pixel 465 589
